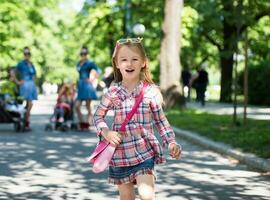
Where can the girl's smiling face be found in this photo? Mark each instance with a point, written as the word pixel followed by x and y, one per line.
pixel 130 62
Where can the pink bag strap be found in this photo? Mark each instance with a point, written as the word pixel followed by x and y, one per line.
pixel 139 99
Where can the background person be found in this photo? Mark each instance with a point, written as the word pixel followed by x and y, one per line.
pixel 185 79
pixel 200 82
pixel 88 73
pixel 26 80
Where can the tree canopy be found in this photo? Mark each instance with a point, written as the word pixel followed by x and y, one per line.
pixel 55 31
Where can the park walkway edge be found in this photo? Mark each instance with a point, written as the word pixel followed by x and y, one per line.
pixel 249 159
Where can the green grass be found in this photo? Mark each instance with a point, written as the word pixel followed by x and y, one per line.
pixel 253 137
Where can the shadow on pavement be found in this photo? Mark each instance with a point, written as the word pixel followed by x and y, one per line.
pixel 52 165
pixel 200 176
pixel 49 165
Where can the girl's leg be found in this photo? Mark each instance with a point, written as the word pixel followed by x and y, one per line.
pixel 146 186
pixel 89 116
pixel 54 116
pixel 78 110
pixel 61 115
pixel 126 191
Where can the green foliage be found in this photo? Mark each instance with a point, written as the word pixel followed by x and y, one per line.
pixel 24 24
pixel 100 24
pixel 194 53
pixel 9 87
pixel 259 40
pixel 252 138
pixel 258 83
pixel 258 61
pixel 55 32
pixel 221 24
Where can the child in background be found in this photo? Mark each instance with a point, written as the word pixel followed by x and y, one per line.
pixel 10 90
pixel 64 103
pixel 9 86
pixel 138 150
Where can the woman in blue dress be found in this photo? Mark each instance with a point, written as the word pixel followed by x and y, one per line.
pixel 88 72
pixel 26 80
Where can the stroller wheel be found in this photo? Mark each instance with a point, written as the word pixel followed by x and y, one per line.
pixel 64 128
pixel 48 127
pixel 74 126
pixel 17 127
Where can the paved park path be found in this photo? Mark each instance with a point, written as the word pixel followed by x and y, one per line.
pixel 253 112
pixel 51 165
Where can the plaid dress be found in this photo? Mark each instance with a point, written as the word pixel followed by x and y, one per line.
pixel 138 142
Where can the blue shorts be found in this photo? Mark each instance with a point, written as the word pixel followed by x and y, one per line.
pixel 122 175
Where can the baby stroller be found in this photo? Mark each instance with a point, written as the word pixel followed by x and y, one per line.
pixel 11 106
pixel 63 116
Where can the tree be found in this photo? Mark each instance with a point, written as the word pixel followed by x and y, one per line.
pixel 219 23
pixel 99 25
pixel 31 23
pixel 170 67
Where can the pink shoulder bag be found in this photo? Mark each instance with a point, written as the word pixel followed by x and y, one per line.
pixel 104 151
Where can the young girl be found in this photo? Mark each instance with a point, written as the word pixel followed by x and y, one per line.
pixel 138 150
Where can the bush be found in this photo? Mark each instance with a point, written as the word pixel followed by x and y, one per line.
pixel 258 83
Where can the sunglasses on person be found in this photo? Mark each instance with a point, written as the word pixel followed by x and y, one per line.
pixel 83 54
pixel 126 41
pixel 27 53
pixel 129 40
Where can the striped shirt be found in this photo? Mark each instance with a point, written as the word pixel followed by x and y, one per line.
pixel 139 142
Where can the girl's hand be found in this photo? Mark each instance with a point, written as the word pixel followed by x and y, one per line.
pixel 175 150
pixel 112 136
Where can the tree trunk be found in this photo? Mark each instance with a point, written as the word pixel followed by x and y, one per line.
pixel 170 68
pixel 226 77
pixel 226 54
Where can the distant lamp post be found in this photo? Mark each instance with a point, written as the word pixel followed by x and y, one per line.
pixel 138 29
pixel 127 18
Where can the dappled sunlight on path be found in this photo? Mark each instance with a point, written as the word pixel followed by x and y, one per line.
pixel 41 165
pixel 203 174
pixel 52 165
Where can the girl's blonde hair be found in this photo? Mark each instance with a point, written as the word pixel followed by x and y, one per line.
pixel 145 72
